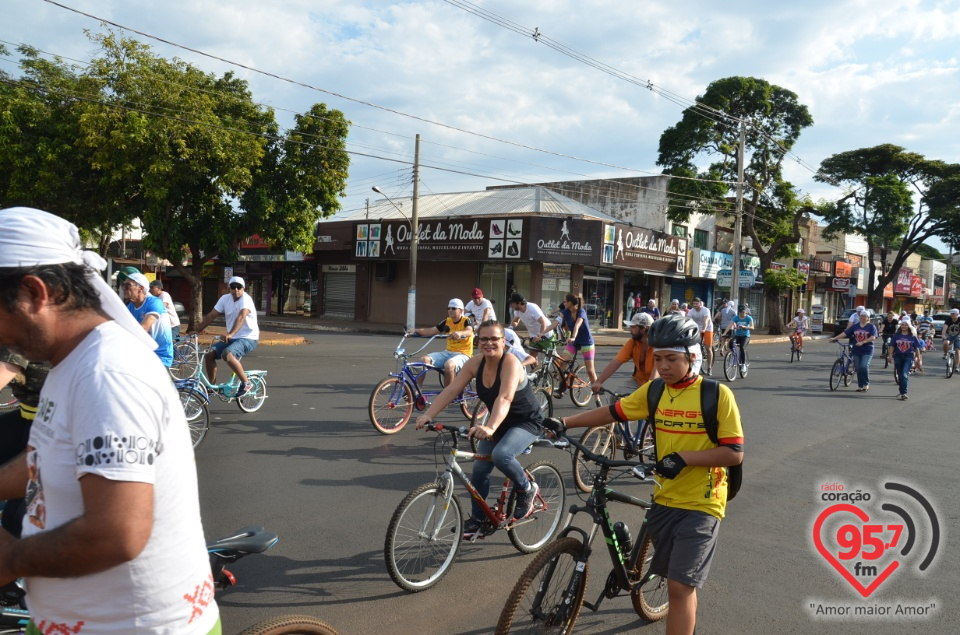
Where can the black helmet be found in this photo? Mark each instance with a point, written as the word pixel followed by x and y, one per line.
pixel 673 330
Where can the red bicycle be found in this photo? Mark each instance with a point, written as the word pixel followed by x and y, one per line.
pixel 796 346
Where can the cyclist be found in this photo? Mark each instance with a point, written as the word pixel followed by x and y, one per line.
pixel 514 422
pixel 799 325
pixel 636 349
pixel 691 501
pixel 862 334
pixel 905 346
pixel 701 315
pixel 652 309
pixel 951 336
pixel 156 290
pixel 459 332
pixel 574 318
pixel 538 325
pixel 479 309
pixel 243 333
pixel 740 327
pixel 149 311
pixel 888 328
pixel 675 308
pixel 925 333
pixel 725 316
pixel 515 347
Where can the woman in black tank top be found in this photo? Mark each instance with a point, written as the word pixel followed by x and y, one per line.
pixel 514 422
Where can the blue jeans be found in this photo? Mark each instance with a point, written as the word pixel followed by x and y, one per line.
pixel 862 364
pixel 903 364
pixel 504 457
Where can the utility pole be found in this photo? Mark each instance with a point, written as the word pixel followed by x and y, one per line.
pixel 946 281
pixel 414 242
pixel 738 224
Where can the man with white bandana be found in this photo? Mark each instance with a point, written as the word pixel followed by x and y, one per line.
pixel 691 500
pixel 112 538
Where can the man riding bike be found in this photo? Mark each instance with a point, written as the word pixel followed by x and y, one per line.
pixel 951 336
pixel 888 328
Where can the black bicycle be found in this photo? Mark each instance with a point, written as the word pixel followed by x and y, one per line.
pixel 549 594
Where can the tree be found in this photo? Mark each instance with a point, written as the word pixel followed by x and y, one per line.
pixel 896 200
pixel 710 130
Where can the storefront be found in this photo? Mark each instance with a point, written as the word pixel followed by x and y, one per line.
pixel 645 261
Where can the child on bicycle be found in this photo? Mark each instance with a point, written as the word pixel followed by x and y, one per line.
pixel 800 326
pixel 692 496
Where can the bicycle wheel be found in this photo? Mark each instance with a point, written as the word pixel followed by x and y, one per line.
pixel 531 534
pixel 254 398
pixel 391 404
pixel 291 625
pixel 198 416
pixel 650 599
pixel 423 537
pixel 896 375
pixel 744 368
pixel 836 373
pixel 646 443
pixel 950 369
pixel 7 400
pixel 599 441
pixel 730 365
pixel 539 602
pixel 848 373
pixel 469 404
pixel 580 391
pixel 480 415
pixel 186 360
pixel 545 401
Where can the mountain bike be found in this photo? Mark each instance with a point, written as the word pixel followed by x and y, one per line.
pixel 7 400
pixel 635 439
pixel 426 530
pixel 250 401
pixel 194 400
pixel 550 592
pixel 568 375
pixel 842 369
pixel 393 400
pixel 731 361
pixel 186 357
pixel 796 346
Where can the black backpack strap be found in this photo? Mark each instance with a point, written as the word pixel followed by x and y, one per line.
pixel 654 392
pixel 709 405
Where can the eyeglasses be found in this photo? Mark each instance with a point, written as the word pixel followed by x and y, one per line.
pixel 452 308
pixel 489 340
pixel 235 286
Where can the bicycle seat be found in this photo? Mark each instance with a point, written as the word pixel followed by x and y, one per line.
pixel 253 539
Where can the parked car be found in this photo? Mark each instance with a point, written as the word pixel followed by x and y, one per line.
pixel 181 312
pixel 938 320
pixel 844 319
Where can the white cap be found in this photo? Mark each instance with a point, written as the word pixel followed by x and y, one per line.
pixel 455 303
pixel 860 308
pixel 140 279
pixel 640 319
pixel 954 311
pixel 674 301
pixel 800 311
pixel 237 280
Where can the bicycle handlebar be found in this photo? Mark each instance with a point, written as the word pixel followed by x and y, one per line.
pixel 461 432
pixel 640 470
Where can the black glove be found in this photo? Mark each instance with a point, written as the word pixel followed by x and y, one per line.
pixel 670 466
pixel 555 425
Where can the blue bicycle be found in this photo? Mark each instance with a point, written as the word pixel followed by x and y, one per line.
pixel 842 368
pixel 393 400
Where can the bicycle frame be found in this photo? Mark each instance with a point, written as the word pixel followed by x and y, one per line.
pixel 226 391
pixel 411 372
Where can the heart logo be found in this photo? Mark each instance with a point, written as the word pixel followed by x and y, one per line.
pixel 829 557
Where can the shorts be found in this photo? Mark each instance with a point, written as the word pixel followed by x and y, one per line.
pixel 708 338
pixel 955 340
pixel 239 348
pixel 441 358
pixel 588 352
pixel 684 542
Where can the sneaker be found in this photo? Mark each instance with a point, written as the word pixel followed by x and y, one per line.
pixel 528 450
pixel 244 389
pixel 525 500
pixel 860 389
pixel 472 527
pixel 905 397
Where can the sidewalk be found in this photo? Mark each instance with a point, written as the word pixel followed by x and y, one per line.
pixel 603 337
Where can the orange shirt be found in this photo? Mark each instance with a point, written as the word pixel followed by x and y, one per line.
pixel 642 357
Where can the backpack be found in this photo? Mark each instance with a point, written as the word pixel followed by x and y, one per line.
pixel 709 401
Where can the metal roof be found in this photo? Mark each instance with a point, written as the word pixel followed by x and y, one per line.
pixel 507 202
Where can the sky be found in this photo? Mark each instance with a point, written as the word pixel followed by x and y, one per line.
pixel 494 105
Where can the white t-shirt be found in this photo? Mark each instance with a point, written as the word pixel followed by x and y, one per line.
pixel 800 323
pixel 171 312
pixel 476 312
pixel 530 317
pixel 109 409
pixel 513 344
pixel 702 318
pixel 231 309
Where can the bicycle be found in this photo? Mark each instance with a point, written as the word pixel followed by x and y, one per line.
pixel 549 595
pixel 393 399
pixel 951 364
pixel 885 351
pixel 195 402
pixel 633 438
pixel 250 401
pixel 568 375
pixel 731 361
pixel 186 357
pixel 426 530
pixel 842 368
pixel 796 346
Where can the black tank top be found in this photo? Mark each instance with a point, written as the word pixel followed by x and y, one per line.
pixel 524 409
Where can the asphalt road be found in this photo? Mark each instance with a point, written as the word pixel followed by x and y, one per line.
pixel 310 467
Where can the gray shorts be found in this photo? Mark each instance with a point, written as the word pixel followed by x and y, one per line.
pixel 684 542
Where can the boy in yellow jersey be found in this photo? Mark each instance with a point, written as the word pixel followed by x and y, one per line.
pixel 459 341
pixel 690 503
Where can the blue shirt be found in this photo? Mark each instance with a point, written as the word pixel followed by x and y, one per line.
pixel 905 345
pixel 742 321
pixel 859 334
pixel 584 338
pixel 160 331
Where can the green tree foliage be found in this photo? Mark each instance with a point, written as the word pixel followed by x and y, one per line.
pixel 188 153
pixel 783 279
pixel 895 200
pixel 710 131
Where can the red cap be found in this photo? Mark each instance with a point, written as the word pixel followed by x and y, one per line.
pixel 477 293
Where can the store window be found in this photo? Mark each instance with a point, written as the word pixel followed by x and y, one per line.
pixel 701 239
pixel 556 285
pixel 499 281
pixel 598 295
pixel 680 230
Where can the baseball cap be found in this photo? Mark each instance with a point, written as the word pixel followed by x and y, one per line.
pixel 477 293
pixel 156 283
pixel 954 311
pixel 237 280
pixel 861 308
pixel 140 279
pixel 741 308
pixel 640 319
pixel 455 303
pixel 800 311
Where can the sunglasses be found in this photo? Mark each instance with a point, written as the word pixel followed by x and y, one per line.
pixel 235 286
pixel 489 340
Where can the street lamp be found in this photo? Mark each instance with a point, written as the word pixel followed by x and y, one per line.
pixel 414 244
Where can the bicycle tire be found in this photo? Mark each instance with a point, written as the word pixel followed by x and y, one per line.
pixel 950 365
pixel 580 390
pixel 290 625
pixel 480 416
pixel 847 373
pixel 651 599
pixel 415 561
pixel 730 365
pixel 799 355
pixel 531 534
pixel 793 351
pixel 896 375
pixel 545 400
pixel 646 442
pixel 599 440
pixel 253 399
pixel 544 582
pixel 7 400
pixel 836 372
pixel 468 405
pixel 391 405
pixel 198 416
pixel 186 360
pixel 744 368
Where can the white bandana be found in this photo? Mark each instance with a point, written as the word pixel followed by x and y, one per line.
pixel 696 359
pixel 30 237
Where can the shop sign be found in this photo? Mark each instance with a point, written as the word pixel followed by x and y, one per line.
pixel 888 290
pixel 840 284
pixel 444 239
pixel 339 269
pixel 644 249
pixel 816 318
pixel 916 286
pixel 565 240
pixel 803 267
pixel 902 283
pixel 842 270
pixel 725 278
